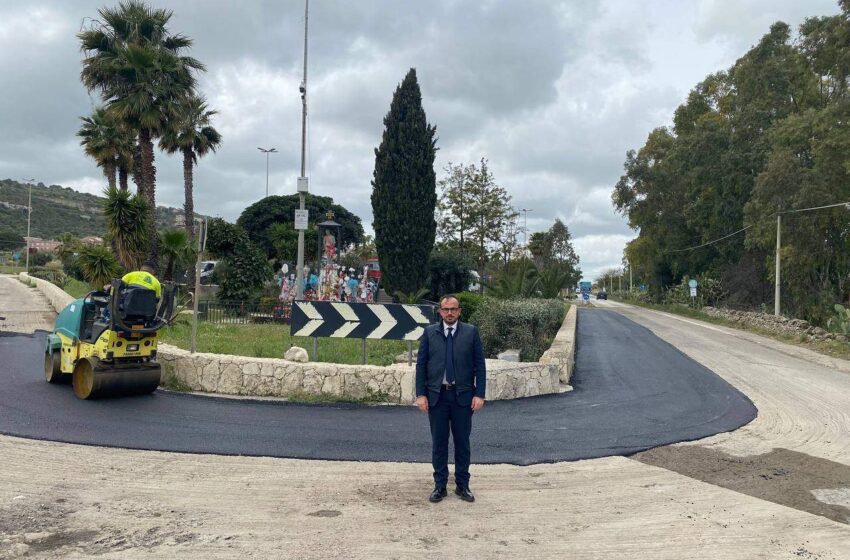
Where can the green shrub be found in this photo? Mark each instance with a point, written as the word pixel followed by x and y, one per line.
pixel 528 325
pixel 448 272
pixel 50 274
pixel 840 321
pixel 469 302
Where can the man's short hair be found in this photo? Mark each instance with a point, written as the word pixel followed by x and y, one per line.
pixel 150 266
pixel 449 296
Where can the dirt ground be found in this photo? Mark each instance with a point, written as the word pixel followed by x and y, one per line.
pixel 68 501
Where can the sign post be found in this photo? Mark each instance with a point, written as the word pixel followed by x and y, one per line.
pixel 692 284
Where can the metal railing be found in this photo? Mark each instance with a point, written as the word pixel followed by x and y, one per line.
pixel 243 312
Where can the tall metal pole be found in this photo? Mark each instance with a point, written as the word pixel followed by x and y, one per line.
pixel 525 212
pixel 776 287
pixel 267 152
pixel 202 243
pixel 299 279
pixel 29 218
pixel 630 275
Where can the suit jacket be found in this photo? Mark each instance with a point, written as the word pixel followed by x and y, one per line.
pixel 470 368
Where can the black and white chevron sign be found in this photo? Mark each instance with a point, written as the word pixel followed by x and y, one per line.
pixel 391 321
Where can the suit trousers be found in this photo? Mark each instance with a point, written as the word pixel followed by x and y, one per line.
pixel 448 415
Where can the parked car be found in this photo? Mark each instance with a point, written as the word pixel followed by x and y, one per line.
pixel 207 268
pixel 602 295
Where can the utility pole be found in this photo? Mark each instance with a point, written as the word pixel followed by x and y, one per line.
pixel 630 275
pixel 302 180
pixel 776 294
pixel 267 152
pixel 776 286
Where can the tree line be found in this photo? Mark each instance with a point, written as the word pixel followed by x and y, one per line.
pixel 768 135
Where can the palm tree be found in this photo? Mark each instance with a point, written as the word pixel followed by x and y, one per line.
pixel 98 265
pixel 193 136
pixel 127 226
pixel 519 279
pixel 142 76
pixel 554 279
pixel 174 246
pixel 108 142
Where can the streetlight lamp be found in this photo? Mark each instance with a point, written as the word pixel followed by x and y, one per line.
pixel 267 152
pixel 29 219
pixel 525 212
pixel 778 245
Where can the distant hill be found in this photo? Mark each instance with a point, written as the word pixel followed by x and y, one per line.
pixel 57 209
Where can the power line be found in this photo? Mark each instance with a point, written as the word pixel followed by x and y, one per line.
pixel 710 242
pixel 845 204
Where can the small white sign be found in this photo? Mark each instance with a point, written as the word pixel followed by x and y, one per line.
pixel 301 217
pixel 693 292
pixel 303 185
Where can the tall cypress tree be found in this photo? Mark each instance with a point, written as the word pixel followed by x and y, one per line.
pixel 404 191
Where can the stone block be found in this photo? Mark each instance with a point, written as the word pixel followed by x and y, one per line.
pixel 297 354
pixel 509 355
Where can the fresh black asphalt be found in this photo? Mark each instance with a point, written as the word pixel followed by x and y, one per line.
pixel 633 392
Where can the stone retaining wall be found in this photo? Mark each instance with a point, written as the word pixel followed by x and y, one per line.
pixel 563 349
pixel 57 297
pixel 238 375
pixel 773 323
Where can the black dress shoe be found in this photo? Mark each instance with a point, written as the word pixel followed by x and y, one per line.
pixel 438 494
pixel 464 494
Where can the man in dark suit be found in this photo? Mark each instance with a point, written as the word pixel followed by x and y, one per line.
pixel 450 385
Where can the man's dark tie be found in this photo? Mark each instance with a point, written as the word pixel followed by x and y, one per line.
pixel 450 358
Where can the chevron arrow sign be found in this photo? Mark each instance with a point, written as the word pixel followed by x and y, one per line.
pixel 390 321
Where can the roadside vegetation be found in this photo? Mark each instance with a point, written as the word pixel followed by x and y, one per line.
pixel 762 140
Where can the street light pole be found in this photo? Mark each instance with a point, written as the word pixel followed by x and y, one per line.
pixel 525 212
pixel 29 219
pixel 267 152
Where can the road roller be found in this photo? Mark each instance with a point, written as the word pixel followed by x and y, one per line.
pixel 104 343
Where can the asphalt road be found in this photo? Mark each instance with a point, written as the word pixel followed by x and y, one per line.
pixel 633 392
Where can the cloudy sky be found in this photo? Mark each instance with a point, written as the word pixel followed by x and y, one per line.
pixel 552 93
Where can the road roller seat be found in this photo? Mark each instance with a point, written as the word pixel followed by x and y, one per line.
pixel 137 305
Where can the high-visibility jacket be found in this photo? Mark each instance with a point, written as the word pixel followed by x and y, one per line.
pixel 143 279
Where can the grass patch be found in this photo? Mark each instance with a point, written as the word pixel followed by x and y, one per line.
pixel 76 288
pixel 6 269
pixel 272 341
pixel 833 348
